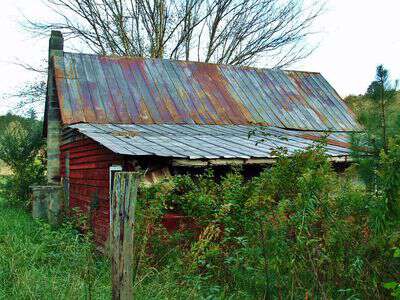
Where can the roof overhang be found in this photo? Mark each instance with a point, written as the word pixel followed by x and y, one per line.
pixel 202 145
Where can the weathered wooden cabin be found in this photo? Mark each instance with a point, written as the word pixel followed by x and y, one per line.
pixel 104 114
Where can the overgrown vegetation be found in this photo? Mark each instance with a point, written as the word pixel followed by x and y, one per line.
pixel 296 230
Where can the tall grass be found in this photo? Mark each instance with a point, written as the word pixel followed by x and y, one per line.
pixel 37 262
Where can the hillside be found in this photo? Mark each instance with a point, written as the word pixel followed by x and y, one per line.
pixel 361 102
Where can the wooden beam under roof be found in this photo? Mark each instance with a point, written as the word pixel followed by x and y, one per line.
pixel 237 162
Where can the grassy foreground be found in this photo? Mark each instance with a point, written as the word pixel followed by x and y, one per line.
pixel 39 263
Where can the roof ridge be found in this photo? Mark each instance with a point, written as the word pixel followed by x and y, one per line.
pixel 243 67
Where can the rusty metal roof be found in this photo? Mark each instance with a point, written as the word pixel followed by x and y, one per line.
pixel 125 90
pixel 207 141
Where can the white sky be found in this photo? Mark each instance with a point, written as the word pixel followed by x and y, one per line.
pixel 355 36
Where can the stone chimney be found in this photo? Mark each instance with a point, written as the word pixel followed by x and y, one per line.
pixel 56 45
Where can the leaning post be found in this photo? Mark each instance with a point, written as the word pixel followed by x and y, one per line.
pixel 124 197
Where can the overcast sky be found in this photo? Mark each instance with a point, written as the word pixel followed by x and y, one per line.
pixel 355 36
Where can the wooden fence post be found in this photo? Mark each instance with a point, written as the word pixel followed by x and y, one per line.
pixel 123 203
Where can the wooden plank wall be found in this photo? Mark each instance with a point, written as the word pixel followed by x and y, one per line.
pixel 89 179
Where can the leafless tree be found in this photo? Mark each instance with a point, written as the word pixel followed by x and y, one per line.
pixel 238 32
pixel 31 94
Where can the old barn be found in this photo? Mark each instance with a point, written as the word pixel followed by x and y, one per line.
pixel 104 114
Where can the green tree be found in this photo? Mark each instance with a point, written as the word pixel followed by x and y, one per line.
pixel 20 143
pixel 382 92
pixel 376 145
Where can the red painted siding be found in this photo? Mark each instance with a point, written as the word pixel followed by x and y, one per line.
pixel 89 175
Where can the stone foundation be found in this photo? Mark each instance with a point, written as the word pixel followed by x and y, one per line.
pixel 48 203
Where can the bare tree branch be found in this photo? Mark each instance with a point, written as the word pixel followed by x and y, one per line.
pixel 31 68
pixel 238 32
pixel 32 93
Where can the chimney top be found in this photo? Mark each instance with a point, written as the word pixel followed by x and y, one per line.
pixel 56 41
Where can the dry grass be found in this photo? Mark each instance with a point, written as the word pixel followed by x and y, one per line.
pixel 4 169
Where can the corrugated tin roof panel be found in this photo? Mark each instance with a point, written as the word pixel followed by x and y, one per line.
pixel 206 141
pixel 100 89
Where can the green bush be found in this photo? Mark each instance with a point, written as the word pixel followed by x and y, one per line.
pixel 20 145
